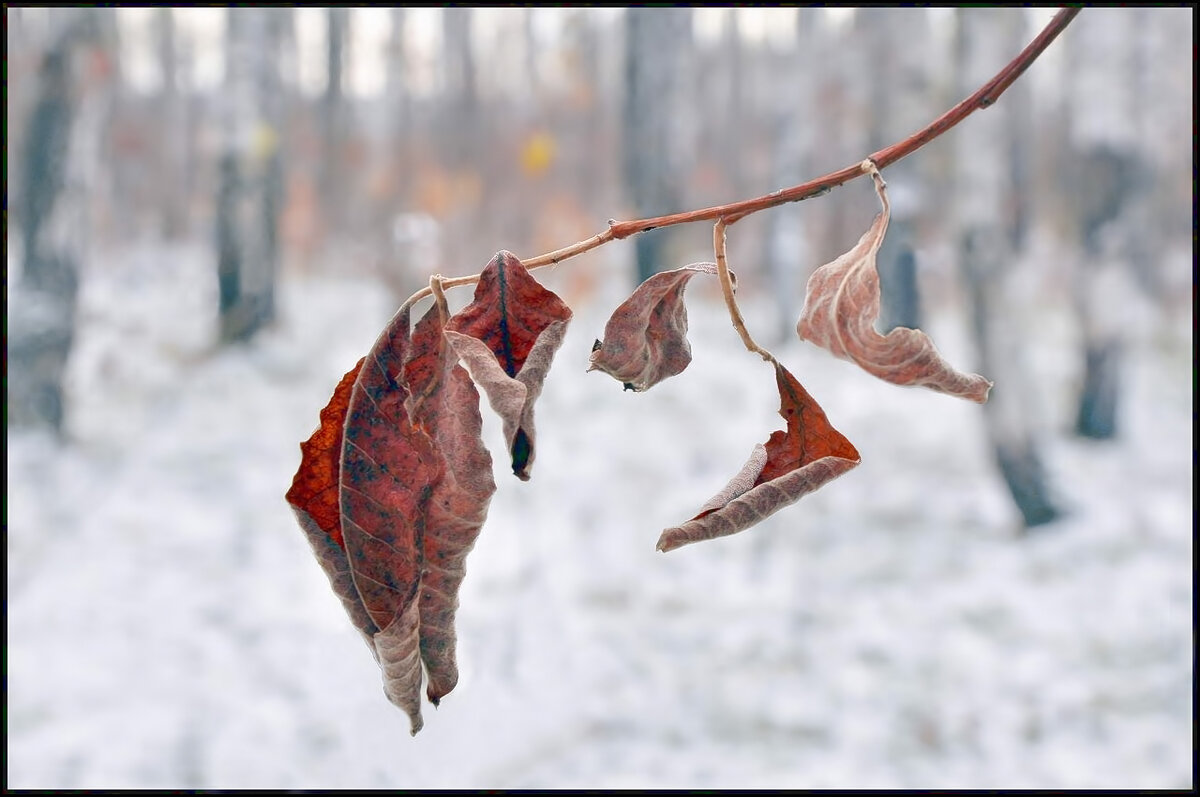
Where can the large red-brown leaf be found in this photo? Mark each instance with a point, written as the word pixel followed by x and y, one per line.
pixel 388 474
pixel 645 339
pixel 444 404
pixel 314 498
pixel 840 308
pixel 793 463
pixel 507 337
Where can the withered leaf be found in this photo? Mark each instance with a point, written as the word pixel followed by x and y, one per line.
pixel 793 463
pixel 645 340
pixel 314 498
pixel 507 337
pixel 388 474
pixel 840 308
pixel 445 405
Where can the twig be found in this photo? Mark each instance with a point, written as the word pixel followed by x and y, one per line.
pixel 987 94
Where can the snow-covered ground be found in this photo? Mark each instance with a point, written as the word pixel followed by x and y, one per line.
pixel 168 626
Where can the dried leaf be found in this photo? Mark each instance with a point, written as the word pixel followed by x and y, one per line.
pixel 840 309
pixel 507 337
pixel 793 463
pixel 389 470
pixel 445 405
pixel 314 498
pixel 645 340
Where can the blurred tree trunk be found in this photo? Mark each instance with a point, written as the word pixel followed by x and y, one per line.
pixel 397 79
pixel 333 124
pixel 174 139
pixel 992 200
pixel 898 42
pixel 788 248
pixel 250 184
pixel 460 108
pixel 588 123
pixel 733 115
pixel 1105 178
pixel 533 77
pixel 654 122
pixel 52 208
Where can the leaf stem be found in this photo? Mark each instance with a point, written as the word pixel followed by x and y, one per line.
pixel 728 288
pixel 436 283
pixel 985 96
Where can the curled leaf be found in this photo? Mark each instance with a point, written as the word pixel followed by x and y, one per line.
pixel 388 472
pixel 793 463
pixel 445 405
pixel 314 498
pixel 645 340
pixel 840 308
pixel 507 337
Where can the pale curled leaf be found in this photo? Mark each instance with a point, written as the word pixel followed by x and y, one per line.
pixel 645 339
pixel 756 504
pixel 841 305
pixel 512 398
pixel 807 455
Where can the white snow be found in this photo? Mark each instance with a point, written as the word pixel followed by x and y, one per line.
pixel 168 626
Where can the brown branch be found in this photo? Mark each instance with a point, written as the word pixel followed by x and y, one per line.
pixel 984 97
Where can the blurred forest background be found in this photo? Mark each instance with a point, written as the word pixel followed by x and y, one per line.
pixel 407 141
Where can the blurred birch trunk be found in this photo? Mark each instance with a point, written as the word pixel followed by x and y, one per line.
pixel 788 247
pixel 992 215
pixel 57 168
pixel 1105 176
pixel 655 132
pixel 250 182
pixel 898 43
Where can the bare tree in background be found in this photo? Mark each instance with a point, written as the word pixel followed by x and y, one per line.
pixel 250 188
pixel 992 199
pixel 788 245
pixel 52 206
pixel 897 43
pixel 460 108
pixel 173 143
pixel 657 45
pixel 333 124
pixel 1106 175
pixel 733 139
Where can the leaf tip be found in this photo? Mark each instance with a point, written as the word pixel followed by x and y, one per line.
pixel 522 453
pixel 667 543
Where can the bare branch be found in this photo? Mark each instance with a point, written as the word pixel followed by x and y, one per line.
pixel 726 215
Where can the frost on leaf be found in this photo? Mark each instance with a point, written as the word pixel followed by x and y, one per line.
pixel 314 498
pixel 388 474
pixel 444 404
pixel 645 340
pixel 793 463
pixel 840 309
pixel 507 337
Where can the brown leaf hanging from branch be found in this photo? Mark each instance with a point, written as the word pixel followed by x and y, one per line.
pixel 445 405
pixel 388 474
pixel 314 498
pixel 645 340
pixel 840 309
pixel 507 337
pixel 807 455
